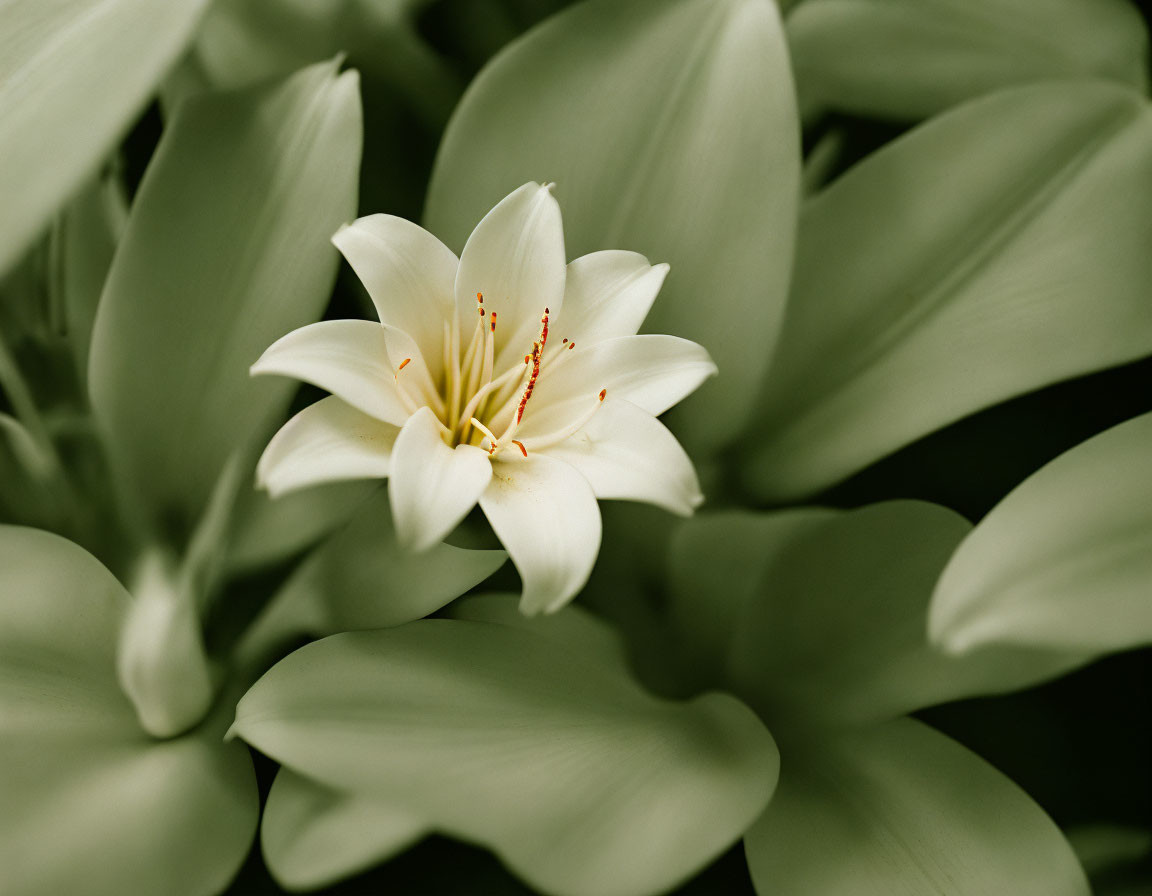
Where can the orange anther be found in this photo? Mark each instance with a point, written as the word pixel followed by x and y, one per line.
pixel 603 392
pixel 520 445
pixel 403 364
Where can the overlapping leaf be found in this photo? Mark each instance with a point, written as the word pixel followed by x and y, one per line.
pixel 1065 560
pixel 226 249
pixel 523 741
pixel 909 59
pixel 994 250
pixel 72 75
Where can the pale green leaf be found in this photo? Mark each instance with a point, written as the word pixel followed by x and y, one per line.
pixel 360 578
pixel 909 59
pixel 816 617
pixel 901 810
pixel 313 835
pixel 669 129
pixel 997 249
pixel 560 763
pixel 93 805
pixel 1065 560
pixel 268 530
pixel 226 249
pixel 73 73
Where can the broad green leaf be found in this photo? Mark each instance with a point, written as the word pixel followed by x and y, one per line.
pixel 313 835
pixel 901 810
pixel 820 618
pixel 994 250
pixel 73 73
pixel 909 59
pixel 226 249
pixel 562 764
pixel 669 129
pixel 93 805
pixel 360 578
pixel 1065 560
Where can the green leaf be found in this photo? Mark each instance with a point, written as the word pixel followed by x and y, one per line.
pixel 83 242
pixel 226 249
pixel 816 617
pixel 994 250
pixel 313 835
pixel 73 73
pixel 496 733
pixel 268 530
pixel 1064 560
pixel 360 578
pixel 92 804
pixel 909 59
pixel 669 129
pixel 901 810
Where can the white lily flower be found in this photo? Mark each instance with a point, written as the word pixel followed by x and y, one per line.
pixel 505 377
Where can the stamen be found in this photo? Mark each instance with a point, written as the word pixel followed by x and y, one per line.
pixel 520 445
pixel 603 394
pixel 403 364
pixel 537 351
pixel 561 434
pixel 487 432
pixel 501 380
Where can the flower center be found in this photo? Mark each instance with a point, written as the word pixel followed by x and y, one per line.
pixel 485 407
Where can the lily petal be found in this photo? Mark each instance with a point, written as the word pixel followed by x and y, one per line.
pixel 903 810
pixel 326 442
pixel 608 294
pixel 653 372
pixel 432 487
pixel 409 274
pixel 545 514
pixel 348 358
pixel 626 453
pixel 515 258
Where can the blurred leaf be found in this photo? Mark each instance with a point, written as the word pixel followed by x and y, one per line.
pixel 994 250
pixel 313 835
pixel 820 617
pixel 909 59
pixel 901 810
pixel 132 814
pixel 73 73
pixel 268 530
pixel 1065 560
pixel 225 251
pixel 577 778
pixel 360 578
pixel 1102 848
pixel 83 242
pixel 669 129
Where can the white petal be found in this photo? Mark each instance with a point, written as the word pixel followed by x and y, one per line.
pixel 413 375
pixel 326 442
pixel 545 513
pixel 608 294
pixel 432 487
pixel 652 372
pixel 409 274
pixel 515 258
pixel 626 453
pixel 348 358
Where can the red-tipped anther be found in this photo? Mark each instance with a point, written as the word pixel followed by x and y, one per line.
pixel 520 445
pixel 571 345
pixel 480 298
pixel 565 339
pixel 481 312
pixel 403 364
pixel 527 358
pixel 493 321
pixel 603 393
